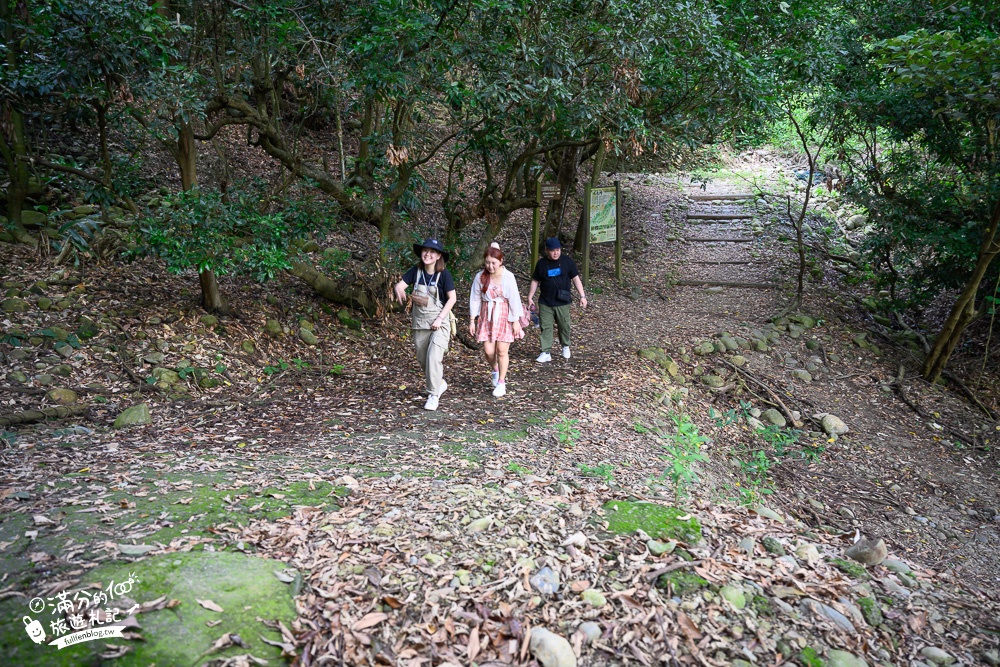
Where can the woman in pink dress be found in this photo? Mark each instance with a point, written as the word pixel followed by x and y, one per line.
pixel 496 304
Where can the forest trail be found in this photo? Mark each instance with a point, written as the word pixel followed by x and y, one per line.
pixel 432 537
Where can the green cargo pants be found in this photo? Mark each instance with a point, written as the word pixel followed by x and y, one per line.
pixel 549 315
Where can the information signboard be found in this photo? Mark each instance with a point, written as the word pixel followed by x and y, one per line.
pixel 603 215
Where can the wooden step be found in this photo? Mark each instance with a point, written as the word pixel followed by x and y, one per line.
pixel 708 197
pixel 696 239
pixel 719 216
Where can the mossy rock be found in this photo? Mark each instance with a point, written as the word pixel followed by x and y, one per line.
pixel 34 219
pixel 308 337
pixel 245 587
pixel 15 305
pixel 681 583
pixel 209 320
pixel 87 328
pixel 661 359
pixel 248 347
pixel 658 521
pixel 61 396
pixel 137 415
pixel 344 316
pixel 851 569
pixel 209 382
pixel 871 610
pixel 272 328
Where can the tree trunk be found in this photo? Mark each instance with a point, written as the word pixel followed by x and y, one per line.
pixel 14 148
pixel 595 178
pixel 345 294
pixel 186 156
pixel 964 310
pixel 211 297
pixel 568 168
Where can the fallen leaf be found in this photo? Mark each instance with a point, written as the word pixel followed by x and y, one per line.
pixel 688 627
pixel 369 620
pixel 208 604
pixel 473 649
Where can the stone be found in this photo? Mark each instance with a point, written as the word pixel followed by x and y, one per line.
pixel 17 377
pixel 772 416
pixel 768 513
pixel 704 348
pixel 713 381
pixel 838 658
pixel 590 632
pixel 826 612
pixel 63 370
pixel 657 521
pixel 136 549
pixel 44 379
pixel 594 598
pixel 272 328
pixel 734 595
pixel 658 548
pixel 61 396
pixel 44 303
pixel 550 649
pixel 739 361
pixel 545 581
pixel 209 320
pixel 209 382
pixel 153 358
pixel 166 375
pixel 748 545
pixel 856 222
pixel 479 525
pixel 248 347
pixel 868 551
pixel 937 656
pixel 801 374
pixel 871 611
pixel 991 657
pixel 344 317
pixel 896 566
pixel 137 415
pixel 730 343
pixel 65 350
pixel 308 337
pixel 833 425
pixel 34 218
pixel 808 552
pixel 15 305
pixel 773 546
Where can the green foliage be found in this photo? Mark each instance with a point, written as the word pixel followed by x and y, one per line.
pixel 566 432
pixel 202 230
pixel 517 468
pixel 603 471
pixel 683 452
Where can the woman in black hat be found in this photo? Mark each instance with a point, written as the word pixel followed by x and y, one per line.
pixel 433 297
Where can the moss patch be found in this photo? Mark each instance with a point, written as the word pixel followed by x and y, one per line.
pixel 871 611
pixel 245 587
pixel 681 583
pixel 851 569
pixel 658 521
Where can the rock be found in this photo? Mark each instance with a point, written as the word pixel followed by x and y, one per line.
pixel 15 305
pixel 768 513
pixel 550 649
pixel 479 525
pixel 868 551
pixel 208 382
pixel 772 416
pixel 808 552
pixel 272 328
pixel 897 566
pixel 773 546
pixel 805 320
pixel 856 222
pixel 991 657
pixel 209 320
pixel 65 350
pixel 17 377
pixel 748 545
pixel 307 324
pixel 34 219
pixel 63 370
pixel 802 374
pixel 739 361
pixel 834 425
pixel 871 611
pixel 62 396
pixel 308 337
pixel 248 347
pixel 594 598
pixel 713 381
pixel 755 424
pixel 44 379
pixel 837 658
pixel 166 375
pixel 937 656
pixel 344 317
pixel 704 348
pixel 154 358
pixel 734 595
pixel 44 303
pixel 590 631
pixel 730 343
pixel 826 612
pixel 545 581
pixel 136 549
pixel 137 415
pixel 658 548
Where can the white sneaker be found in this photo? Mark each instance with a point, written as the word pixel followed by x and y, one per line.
pixel 501 389
pixel 544 358
pixel 444 388
pixel 495 377
pixel 432 403
pixel 566 354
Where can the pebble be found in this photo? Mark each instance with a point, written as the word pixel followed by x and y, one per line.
pixel 827 612
pixel 734 595
pixel 808 552
pixel 594 598
pixel 896 566
pixel 550 649
pixel 748 545
pixel 835 658
pixel 773 546
pixel 937 656
pixel 991 657
pixel 867 551
pixel 591 632
pixel 546 581
pixel 658 548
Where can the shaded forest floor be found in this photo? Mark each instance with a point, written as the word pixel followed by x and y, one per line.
pixel 415 536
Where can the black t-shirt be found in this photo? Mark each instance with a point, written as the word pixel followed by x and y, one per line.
pixel 553 276
pixel 445 283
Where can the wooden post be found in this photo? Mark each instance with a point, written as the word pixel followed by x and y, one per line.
pixel 534 226
pixel 586 235
pixel 618 231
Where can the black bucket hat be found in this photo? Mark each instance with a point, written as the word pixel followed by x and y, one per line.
pixel 433 244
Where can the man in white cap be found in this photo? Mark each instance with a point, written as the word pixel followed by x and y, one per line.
pixel 554 273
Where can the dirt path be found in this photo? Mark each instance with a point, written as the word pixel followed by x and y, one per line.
pixel 449 515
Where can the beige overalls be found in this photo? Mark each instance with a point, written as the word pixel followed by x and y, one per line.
pixel 431 345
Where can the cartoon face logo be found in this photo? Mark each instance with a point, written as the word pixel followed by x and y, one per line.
pixel 34 630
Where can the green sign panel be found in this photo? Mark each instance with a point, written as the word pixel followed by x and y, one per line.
pixel 603 215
